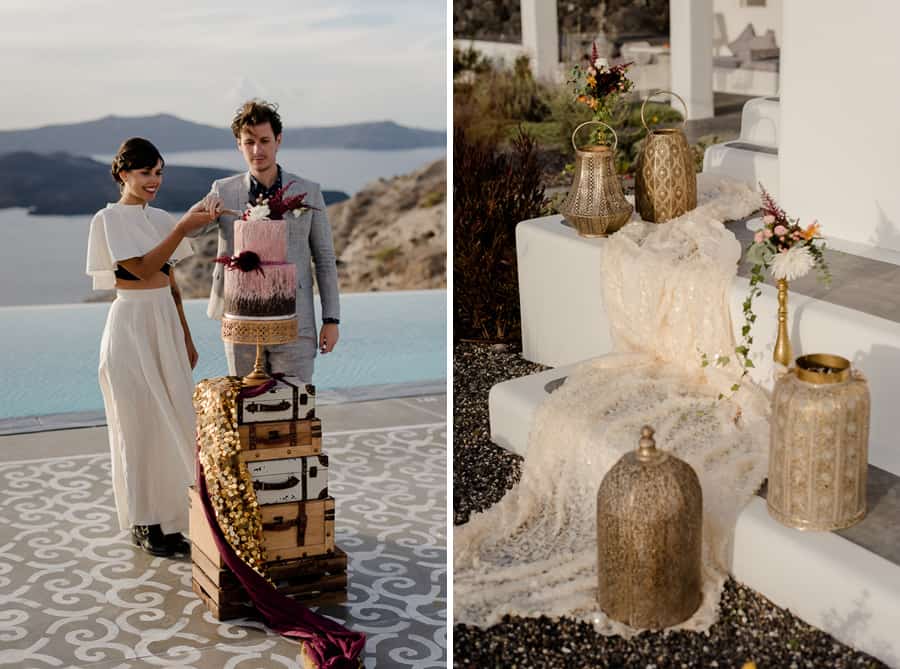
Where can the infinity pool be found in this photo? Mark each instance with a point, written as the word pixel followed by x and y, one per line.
pixel 49 354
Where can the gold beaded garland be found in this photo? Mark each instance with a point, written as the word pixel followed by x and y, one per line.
pixel 227 478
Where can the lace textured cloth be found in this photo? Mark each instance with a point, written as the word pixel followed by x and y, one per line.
pixel 666 290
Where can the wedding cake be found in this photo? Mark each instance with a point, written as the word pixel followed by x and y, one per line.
pixel 259 284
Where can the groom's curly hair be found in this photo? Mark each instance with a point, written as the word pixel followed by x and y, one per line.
pixel 254 112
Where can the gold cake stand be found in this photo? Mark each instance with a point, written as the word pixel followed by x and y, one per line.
pixel 259 332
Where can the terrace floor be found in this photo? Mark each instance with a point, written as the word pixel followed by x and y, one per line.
pixel 74 592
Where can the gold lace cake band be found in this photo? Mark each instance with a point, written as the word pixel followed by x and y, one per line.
pixel 258 331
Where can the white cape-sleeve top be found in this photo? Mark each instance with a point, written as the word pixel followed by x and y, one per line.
pixel 123 231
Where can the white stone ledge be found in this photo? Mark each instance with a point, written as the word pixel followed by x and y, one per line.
pixel 564 321
pixel 826 580
pixel 823 578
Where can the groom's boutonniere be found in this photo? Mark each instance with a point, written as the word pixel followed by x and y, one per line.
pixel 275 207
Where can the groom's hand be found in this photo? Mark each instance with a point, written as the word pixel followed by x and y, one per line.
pixel 328 337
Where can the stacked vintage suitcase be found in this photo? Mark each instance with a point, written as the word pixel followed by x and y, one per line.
pixel 281 442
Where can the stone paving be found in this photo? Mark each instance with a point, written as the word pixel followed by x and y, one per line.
pixel 74 592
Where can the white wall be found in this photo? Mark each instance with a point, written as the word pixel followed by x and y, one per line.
pixel 731 16
pixel 840 138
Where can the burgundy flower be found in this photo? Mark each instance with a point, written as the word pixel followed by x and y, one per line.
pixel 279 204
pixel 246 261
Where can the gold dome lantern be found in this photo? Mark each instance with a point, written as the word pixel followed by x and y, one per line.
pixel 649 538
pixel 818 457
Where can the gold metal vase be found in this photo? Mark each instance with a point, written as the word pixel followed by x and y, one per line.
pixel 818 454
pixel 649 538
pixel 665 183
pixel 596 205
pixel 782 353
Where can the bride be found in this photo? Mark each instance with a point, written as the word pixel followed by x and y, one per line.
pixel 666 289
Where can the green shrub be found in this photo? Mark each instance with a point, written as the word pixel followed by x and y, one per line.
pixel 432 198
pixel 492 192
pixel 386 254
pixel 489 101
pixel 469 60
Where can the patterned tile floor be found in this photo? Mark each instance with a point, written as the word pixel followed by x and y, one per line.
pixel 74 592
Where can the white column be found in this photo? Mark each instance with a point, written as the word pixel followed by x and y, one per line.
pixel 691 38
pixel 540 37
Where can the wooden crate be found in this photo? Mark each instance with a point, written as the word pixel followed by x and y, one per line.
pixel 286 439
pixel 290 531
pixel 315 581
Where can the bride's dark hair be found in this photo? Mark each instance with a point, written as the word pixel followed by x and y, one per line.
pixel 135 153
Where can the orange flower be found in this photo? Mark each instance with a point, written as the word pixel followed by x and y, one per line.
pixel 592 81
pixel 811 231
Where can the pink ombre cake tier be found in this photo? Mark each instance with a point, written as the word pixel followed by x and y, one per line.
pixel 271 293
pixel 267 239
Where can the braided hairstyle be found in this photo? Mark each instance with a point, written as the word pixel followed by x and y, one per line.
pixel 135 153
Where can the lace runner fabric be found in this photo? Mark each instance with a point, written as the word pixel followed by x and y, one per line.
pixel 666 290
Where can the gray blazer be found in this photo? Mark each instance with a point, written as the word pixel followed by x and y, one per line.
pixel 309 238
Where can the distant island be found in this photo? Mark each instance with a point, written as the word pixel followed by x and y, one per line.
pixel 60 183
pixel 170 133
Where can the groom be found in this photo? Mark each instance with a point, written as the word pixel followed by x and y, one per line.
pixel 257 129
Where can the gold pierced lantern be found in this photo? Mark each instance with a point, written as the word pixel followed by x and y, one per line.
pixel 259 332
pixel 596 205
pixel 649 538
pixel 818 459
pixel 665 183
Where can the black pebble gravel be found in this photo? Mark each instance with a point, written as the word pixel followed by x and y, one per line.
pixel 750 627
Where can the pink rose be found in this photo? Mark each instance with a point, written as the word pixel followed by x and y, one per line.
pixel 768 219
pixel 768 233
pixel 758 237
pixel 780 230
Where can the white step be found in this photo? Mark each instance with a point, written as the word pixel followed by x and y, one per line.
pixel 751 163
pixel 564 321
pixel 761 121
pixel 824 578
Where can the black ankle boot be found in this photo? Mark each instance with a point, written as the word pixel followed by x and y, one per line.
pixel 151 539
pixel 178 544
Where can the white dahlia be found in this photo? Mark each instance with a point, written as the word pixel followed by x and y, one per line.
pixel 258 212
pixel 793 263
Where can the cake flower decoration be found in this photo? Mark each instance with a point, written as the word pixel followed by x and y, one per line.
pixel 246 261
pixel 275 207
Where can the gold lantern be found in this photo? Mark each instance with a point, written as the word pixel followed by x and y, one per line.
pixel 649 538
pixel 818 459
pixel 665 183
pixel 596 205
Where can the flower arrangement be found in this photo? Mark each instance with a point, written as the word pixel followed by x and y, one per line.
pixel 788 251
pixel 274 208
pixel 785 248
pixel 600 86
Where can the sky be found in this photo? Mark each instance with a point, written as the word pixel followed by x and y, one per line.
pixel 324 62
